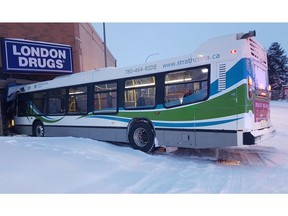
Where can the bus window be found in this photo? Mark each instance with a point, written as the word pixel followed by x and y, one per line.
pixel 198 94
pixel 39 103
pixel 77 100
pixel 140 93
pixel 57 101
pixel 261 81
pixel 187 86
pixel 24 105
pixel 105 98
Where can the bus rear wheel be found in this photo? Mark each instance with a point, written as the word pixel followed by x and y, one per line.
pixel 141 137
pixel 38 129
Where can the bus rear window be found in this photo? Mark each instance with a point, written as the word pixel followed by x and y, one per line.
pixel 261 80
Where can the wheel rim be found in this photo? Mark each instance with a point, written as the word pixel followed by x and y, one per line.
pixel 39 131
pixel 141 137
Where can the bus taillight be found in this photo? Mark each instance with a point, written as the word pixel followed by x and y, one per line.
pixel 250 87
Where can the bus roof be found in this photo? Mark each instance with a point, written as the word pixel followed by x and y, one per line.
pixel 208 52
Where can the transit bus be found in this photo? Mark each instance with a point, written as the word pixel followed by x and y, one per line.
pixel 217 96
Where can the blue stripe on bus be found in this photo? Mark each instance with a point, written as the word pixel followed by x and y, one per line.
pixel 232 76
pixel 113 118
pixel 193 124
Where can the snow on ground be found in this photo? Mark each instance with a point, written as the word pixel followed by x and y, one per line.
pixel 79 165
pixel 54 165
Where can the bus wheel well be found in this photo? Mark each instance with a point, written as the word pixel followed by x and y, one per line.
pixel 144 120
pixel 38 128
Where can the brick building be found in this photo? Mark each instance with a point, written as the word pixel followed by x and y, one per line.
pixel 87 50
pixel 87 46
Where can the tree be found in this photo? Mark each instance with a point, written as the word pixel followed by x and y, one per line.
pixel 277 66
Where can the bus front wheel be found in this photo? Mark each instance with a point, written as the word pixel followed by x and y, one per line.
pixel 38 129
pixel 141 137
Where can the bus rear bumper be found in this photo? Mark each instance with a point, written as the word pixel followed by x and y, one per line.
pixel 254 137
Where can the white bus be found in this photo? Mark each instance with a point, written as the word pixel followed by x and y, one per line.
pixel 217 96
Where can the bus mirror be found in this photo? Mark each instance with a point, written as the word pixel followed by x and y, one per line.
pixel 246 35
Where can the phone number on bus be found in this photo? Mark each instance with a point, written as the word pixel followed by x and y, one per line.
pixel 141 69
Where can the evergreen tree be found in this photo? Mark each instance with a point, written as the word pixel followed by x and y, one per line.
pixel 277 66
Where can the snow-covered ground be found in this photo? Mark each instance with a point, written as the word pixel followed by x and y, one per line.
pixel 78 165
pixel 30 165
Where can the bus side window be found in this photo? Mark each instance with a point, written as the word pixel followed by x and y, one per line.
pixel 57 101
pixel 24 108
pixel 105 97
pixel 105 102
pixel 77 100
pixel 39 102
pixel 186 86
pixel 140 93
pixel 54 106
pixel 146 101
pixel 197 95
pixel 72 104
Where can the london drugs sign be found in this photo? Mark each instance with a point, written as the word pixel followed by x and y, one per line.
pixel 25 56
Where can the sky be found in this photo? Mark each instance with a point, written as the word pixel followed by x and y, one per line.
pixel 132 43
pixel 80 176
pixel 157 30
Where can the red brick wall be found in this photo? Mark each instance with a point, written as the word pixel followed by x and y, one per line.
pixel 92 49
pixel 87 46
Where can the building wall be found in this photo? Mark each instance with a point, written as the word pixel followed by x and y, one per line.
pixel 91 49
pixel 87 46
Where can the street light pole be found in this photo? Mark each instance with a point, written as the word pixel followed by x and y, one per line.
pixel 150 56
pixel 105 47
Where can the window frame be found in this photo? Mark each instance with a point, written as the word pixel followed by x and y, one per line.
pixel 180 101
pixel 105 111
pixel 68 112
pixel 144 87
pixel 63 100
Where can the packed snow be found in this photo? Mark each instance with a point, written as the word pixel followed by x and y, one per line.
pixel 68 165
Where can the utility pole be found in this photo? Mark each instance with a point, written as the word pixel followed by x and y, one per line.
pixel 105 47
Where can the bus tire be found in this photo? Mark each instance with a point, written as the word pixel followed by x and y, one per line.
pixel 38 129
pixel 141 137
